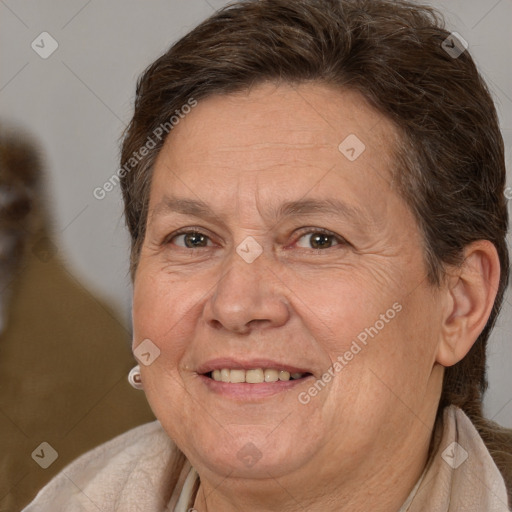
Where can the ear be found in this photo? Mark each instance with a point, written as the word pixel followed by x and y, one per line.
pixel 470 291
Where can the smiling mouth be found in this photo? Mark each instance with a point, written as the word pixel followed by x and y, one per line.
pixel 254 376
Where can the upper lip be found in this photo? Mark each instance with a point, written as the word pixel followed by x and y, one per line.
pixel 248 364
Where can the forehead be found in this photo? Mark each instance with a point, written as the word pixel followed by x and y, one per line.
pixel 274 138
pixel 293 114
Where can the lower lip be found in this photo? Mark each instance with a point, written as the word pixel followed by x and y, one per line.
pixel 246 391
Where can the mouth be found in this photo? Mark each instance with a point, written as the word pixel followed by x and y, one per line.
pixel 254 375
pixel 250 380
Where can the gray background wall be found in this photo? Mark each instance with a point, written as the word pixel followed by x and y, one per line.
pixel 77 102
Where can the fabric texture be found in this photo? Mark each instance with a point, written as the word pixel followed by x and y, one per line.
pixel 142 470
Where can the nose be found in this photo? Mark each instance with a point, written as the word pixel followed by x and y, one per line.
pixel 247 296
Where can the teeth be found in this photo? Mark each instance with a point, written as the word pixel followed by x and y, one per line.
pixel 284 375
pixel 254 376
pixel 271 375
pixel 237 376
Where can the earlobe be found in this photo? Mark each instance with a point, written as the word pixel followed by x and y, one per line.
pixel 470 293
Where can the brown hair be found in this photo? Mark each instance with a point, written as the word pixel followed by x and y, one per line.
pixel 451 168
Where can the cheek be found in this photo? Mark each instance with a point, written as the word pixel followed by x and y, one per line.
pixel 378 343
pixel 160 308
pixel 341 305
pixel 400 357
pixel 159 312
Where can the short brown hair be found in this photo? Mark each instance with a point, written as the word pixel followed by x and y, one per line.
pixel 451 169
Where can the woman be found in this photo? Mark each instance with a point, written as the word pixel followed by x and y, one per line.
pixel 318 258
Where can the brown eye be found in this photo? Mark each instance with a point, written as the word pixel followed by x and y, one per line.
pixel 318 240
pixel 190 240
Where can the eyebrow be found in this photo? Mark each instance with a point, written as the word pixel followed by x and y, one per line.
pixel 331 206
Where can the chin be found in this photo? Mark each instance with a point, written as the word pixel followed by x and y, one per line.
pixel 248 452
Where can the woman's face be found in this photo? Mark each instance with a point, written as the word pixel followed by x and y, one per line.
pixel 276 243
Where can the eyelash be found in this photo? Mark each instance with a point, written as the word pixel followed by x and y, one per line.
pixel 305 231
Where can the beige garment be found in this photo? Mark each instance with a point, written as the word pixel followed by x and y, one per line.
pixel 143 470
pixel 462 476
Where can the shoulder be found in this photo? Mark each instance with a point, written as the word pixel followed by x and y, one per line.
pixel 139 463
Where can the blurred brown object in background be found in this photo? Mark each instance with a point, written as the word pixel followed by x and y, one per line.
pixel 19 182
pixel 64 356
